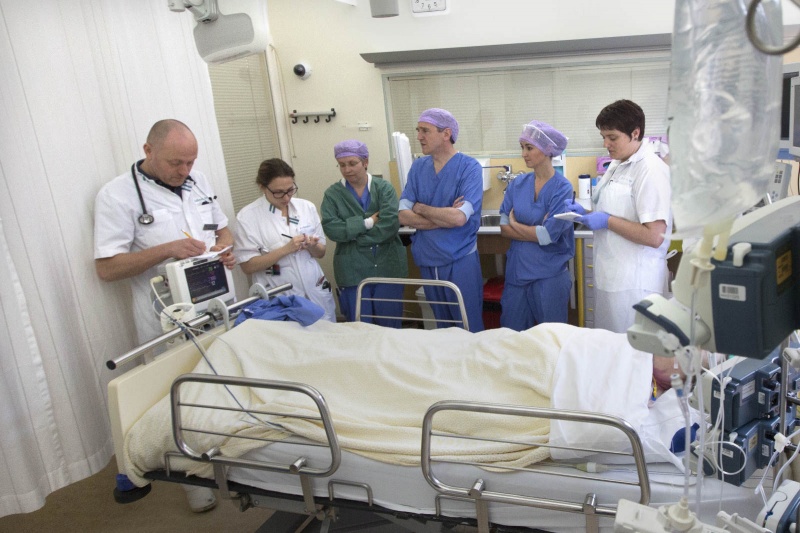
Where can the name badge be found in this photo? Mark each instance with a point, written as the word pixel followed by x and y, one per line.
pixel 210 227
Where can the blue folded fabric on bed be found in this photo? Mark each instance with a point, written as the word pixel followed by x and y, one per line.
pixel 295 308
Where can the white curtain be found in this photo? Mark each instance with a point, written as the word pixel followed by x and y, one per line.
pixel 81 82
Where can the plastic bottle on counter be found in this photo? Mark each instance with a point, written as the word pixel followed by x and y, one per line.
pixel 584 186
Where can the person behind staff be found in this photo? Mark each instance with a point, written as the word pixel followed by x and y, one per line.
pixel 442 200
pixel 159 211
pixel 630 219
pixel 279 238
pixel 359 213
pixel 537 279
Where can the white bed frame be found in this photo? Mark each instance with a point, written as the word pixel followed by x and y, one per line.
pixel 131 394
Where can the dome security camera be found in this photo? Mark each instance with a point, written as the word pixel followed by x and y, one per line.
pixel 302 71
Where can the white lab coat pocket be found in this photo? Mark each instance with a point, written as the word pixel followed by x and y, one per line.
pixel 618 200
pixel 206 213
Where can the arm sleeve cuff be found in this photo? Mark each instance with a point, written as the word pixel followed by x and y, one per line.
pixel 543 235
pixel 504 220
pixel 467 209
pixel 405 204
pixel 369 222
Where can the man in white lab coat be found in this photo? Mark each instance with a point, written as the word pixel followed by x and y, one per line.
pixel 157 212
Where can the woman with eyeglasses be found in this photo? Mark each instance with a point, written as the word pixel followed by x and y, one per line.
pixel 279 238
pixel 359 213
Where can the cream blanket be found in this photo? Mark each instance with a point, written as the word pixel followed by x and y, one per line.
pixel 378 383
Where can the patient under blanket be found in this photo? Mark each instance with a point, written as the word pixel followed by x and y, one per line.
pixel 378 383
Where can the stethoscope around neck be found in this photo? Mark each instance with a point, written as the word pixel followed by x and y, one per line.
pixel 146 218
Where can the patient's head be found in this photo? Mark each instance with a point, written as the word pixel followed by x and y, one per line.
pixel 663 368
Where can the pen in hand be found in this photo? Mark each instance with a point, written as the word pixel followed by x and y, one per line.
pixel 573 197
pixel 287 236
pixel 186 233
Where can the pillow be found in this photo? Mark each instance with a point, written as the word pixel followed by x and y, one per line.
pixel 598 371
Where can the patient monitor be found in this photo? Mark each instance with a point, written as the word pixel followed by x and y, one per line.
pixel 198 280
pixel 745 304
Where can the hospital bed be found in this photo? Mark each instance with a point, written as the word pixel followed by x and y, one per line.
pixel 319 479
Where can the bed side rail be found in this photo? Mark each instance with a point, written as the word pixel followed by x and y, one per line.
pixel 464 322
pixel 217 312
pixel 298 466
pixel 480 493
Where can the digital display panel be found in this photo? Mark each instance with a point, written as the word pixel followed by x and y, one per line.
pixel 206 281
pixel 796 118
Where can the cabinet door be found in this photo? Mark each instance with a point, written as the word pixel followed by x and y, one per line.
pixel 587 249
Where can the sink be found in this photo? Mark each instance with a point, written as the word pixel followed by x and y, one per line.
pixel 490 220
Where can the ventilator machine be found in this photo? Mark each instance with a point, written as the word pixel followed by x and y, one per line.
pixel 735 307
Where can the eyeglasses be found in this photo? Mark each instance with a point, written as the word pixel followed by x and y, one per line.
pixel 281 194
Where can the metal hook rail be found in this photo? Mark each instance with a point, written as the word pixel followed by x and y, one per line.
pixel 295 114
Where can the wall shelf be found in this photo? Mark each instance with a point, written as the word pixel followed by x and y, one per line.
pixel 638 43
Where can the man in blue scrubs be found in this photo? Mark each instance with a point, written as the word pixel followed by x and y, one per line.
pixel 442 200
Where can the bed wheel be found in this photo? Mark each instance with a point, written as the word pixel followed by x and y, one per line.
pixel 127 492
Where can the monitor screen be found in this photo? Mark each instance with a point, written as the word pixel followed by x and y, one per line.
pixel 786 107
pixel 794 118
pixel 206 280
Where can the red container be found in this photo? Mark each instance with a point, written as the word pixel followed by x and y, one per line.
pixel 492 291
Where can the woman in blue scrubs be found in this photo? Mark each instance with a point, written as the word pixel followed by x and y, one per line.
pixel 537 280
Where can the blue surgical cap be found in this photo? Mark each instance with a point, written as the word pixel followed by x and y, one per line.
pixel 544 137
pixel 441 118
pixel 350 148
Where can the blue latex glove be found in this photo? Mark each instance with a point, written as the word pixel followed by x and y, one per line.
pixel 594 221
pixel 575 207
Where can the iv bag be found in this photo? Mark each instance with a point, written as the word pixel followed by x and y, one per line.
pixel 724 110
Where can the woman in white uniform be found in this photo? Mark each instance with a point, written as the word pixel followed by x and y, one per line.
pixel 279 238
pixel 631 219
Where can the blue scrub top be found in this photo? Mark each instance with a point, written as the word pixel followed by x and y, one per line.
pixel 362 200
pixel 461 176
pixel 530 261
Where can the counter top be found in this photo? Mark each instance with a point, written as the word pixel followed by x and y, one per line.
pixel 483 230
pixel 580 232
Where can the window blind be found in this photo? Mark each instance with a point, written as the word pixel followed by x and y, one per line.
pixel 492 105
pixel 243 106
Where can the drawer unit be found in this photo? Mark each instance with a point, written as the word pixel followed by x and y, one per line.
pixel 585 266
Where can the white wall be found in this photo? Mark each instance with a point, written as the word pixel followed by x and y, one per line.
pixel 480 22
pixel 331 35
